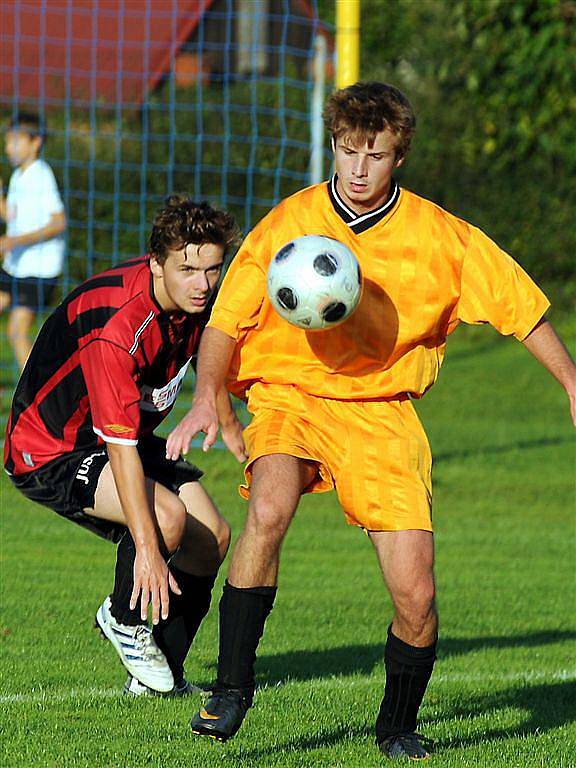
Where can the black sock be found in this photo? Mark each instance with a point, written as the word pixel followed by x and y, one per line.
pixel 243 613
pixel 408 670
pixel 174 636
pixel 124 583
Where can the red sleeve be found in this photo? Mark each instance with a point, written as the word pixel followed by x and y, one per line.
pixel 109 371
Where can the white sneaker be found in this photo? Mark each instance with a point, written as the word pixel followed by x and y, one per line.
pixel 133 687
pixel 137 650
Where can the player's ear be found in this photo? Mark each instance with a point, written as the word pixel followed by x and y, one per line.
pixel 399 160
pixel 155 267
pixel 332 144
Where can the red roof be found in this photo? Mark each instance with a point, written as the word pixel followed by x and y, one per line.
pixel 59 48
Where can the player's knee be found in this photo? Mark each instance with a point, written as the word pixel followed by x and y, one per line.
pixel 212 541
pixel 171 516
pixel 223 534
pixel 416 606
pixel 267 519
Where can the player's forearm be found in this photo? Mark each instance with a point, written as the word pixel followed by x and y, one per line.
pixel 131 486
pixel 224 408
pixel 214 355
pixel 55 227
pixel 547 347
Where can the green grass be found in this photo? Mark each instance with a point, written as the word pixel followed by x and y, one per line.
pixel 503 692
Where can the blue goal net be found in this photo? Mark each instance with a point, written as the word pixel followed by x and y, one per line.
pixel 140 99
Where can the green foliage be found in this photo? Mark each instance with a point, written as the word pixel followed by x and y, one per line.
pixel 494 87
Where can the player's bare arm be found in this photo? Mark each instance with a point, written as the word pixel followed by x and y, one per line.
pixel 152 579
pixel 55 227
pixel 230 426
pixel 214 357
pixel 547 347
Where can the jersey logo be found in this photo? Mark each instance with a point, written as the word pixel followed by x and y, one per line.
pixel 118 429
pixel 162 398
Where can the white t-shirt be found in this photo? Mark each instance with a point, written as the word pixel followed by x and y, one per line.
pixel 32 198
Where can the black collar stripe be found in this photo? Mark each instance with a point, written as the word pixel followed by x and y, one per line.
pixel 338 203
pixel 361 223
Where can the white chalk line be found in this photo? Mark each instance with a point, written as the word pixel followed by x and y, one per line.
pixel 48 696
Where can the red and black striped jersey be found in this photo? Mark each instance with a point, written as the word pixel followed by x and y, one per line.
pixel 106 366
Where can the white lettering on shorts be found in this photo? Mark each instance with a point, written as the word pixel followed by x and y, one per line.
pixel 161 398
pixel 84 468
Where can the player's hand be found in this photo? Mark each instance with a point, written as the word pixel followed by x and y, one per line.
pixel 202 417
pixel 233 439
pixel 152 583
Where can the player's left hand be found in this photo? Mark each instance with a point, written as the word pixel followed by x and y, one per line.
pixel 233 439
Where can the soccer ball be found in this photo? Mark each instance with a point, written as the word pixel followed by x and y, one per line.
pixel 314 282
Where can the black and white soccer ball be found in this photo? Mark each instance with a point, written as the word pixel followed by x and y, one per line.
pixel 314 282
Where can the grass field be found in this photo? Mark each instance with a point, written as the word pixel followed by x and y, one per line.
pixel 504 689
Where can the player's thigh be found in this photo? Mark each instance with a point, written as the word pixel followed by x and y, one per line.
pixel 406 560
pixel 282 429
pixel 168 509
pixel 278 481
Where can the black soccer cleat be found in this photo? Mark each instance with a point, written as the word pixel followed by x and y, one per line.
pixel 406 746
pixel 221 715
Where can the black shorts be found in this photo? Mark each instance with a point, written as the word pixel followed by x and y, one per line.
pixel 68 484
pixel 35 293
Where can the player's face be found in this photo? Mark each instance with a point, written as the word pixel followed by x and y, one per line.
pixel 187 279
pixel 21 148
pixel 365 171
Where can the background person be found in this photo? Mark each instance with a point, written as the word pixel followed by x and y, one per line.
pixel 33 246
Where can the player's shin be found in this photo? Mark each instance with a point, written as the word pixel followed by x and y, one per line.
pixel 124 583
pixel 243 613
pixel 174 636
pixel 408 670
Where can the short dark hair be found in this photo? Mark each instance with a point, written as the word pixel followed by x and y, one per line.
pixel 365 109
pixel 29 123
pixel 182 221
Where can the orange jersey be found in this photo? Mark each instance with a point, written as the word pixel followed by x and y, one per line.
pixel 424 271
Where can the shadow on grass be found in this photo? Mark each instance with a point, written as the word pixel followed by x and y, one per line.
pixel 362 659
pixel 547 707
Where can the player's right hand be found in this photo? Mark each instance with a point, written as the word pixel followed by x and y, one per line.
pixel 152 583
pixel 202 417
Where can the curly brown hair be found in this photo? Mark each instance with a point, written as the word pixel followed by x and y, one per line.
pixel 182 221
pixel 364 109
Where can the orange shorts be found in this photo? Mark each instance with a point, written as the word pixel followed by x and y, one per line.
pixel 374 453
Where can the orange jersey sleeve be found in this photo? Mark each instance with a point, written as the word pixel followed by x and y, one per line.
pixel 496 290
